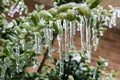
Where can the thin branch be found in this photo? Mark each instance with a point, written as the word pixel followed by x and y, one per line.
pixel 45 55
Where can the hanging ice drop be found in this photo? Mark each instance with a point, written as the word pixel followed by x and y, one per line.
pixel 38 43
pixel 65 26
pixel 78 26
pixel 82 33
pixel 71 35
pixel 3 70
pixel 59 38
pixel 74 28
pixel 113 19
pixel 50 30
pixel 88 35
pixel 22 42
pixel 118 13
pixel 16 54
pixel 12 11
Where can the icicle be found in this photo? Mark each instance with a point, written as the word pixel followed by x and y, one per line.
pixel 3 70
pixel 71 35
pixel 65 26
pixel 78 26
pixel 82 34
pixel 12 11
pixel 74 27
pixel 88 35
pixel 117 9
pixel 113 19
pixel 22 42
pixel 95 40
pixel 6 64
pixel 50 30
pixel 118 13
pixel 6 1
pixel 38 43
pixel 50 42
pixel 99 16
pixel 94 33
pixel 49 37
pixel 17 53
pixel 21 9
pixel 110 24
pixel 107 19
pixel 46 35
pixel 59 38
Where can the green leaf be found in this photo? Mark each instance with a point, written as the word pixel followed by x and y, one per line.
pixel 46 15
pixel 17 29
pixel 7 50
pixel 2 54
pixel 2 8
pixel 62 15
pixel 42 25
pixel 2 42
pixel 83 9
pixel 56 28
pixel 89 2
pixel 35 18
pixel 26 25
pixel 95 4
pixel 53 11
pixel 70 14
pixel 64 7
pixel 13 39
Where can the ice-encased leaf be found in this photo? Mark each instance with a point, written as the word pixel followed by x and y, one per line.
pixel 95 4
pixel 70 14
pixel 64 7
pixel 83 9
pixel 45 15
pixel 35 17
pixel 52 11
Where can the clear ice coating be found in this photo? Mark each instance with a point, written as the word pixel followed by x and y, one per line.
pixel 59 38
pixel 74 27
